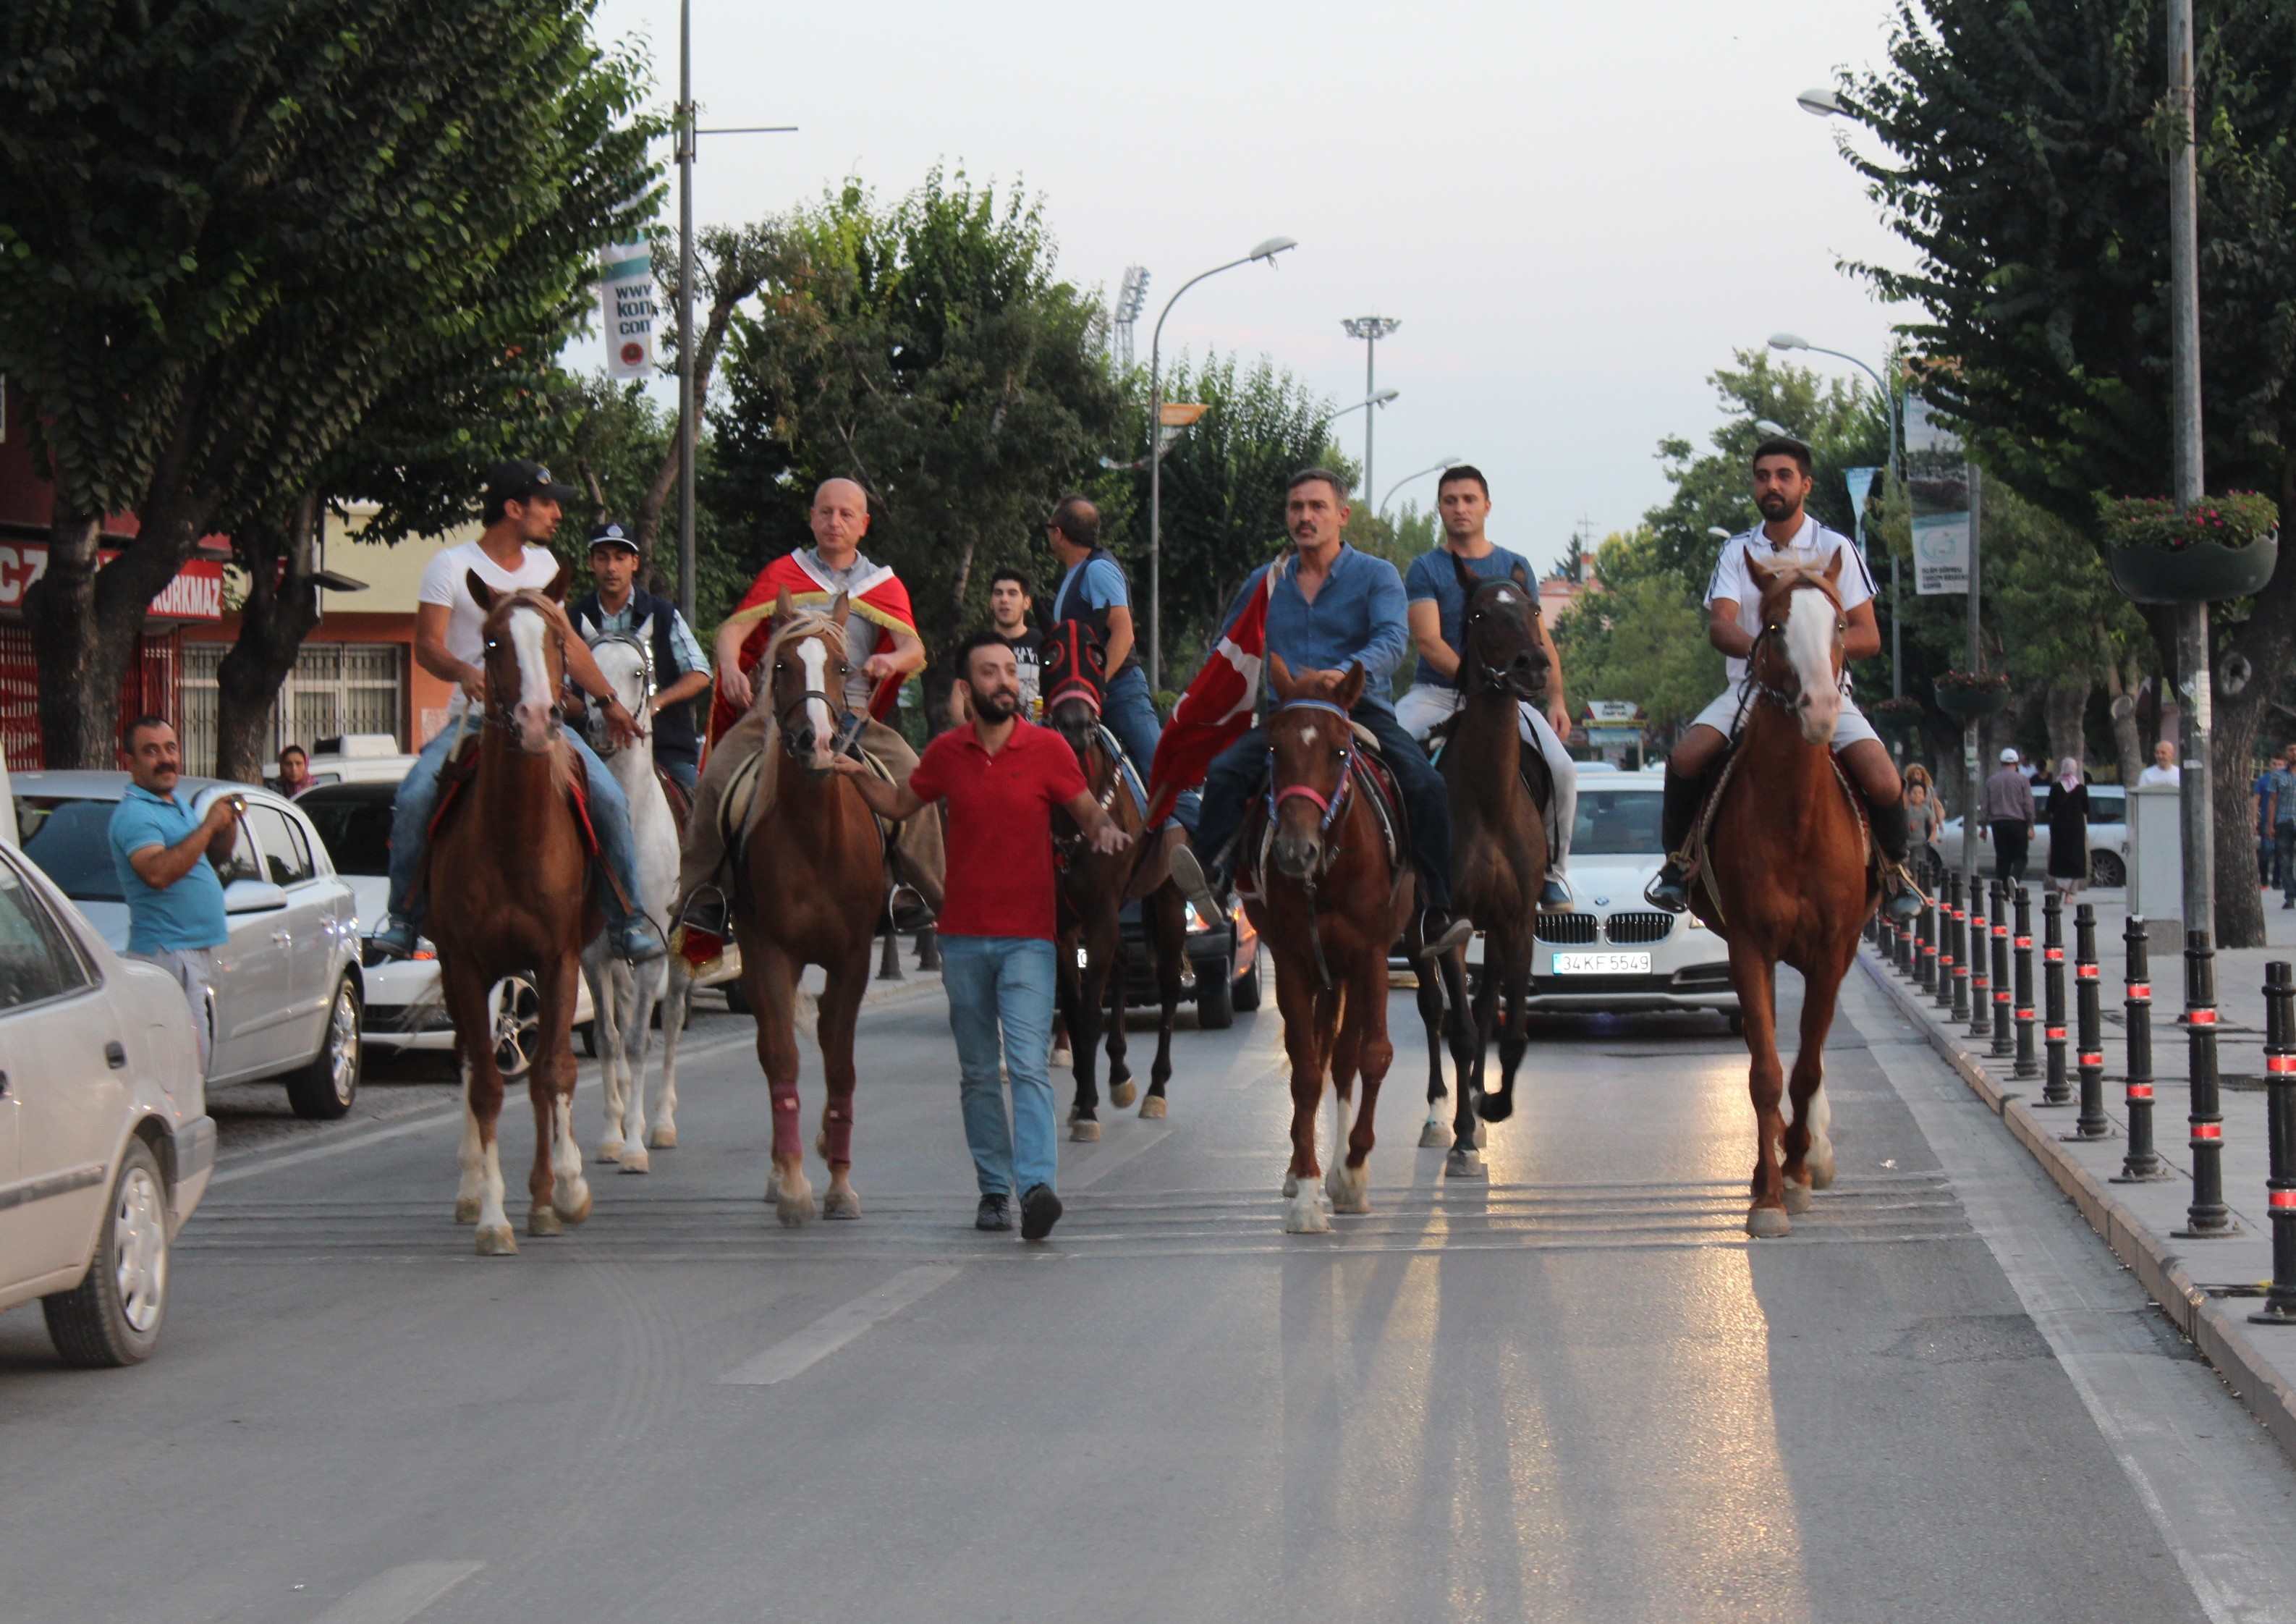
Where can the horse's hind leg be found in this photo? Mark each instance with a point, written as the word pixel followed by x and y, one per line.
pixel 1808 1147
pixel 1078 995
pixel 1493 1105
pixel 639 989
pixel 675 1007
pixel 1755 977
pixel 478 1198
pixel 599 972
pixel 1434 1013
pixel 1515 1027
pixel 1121 1089
pixel 561 1195
pixel 1468 1044
pixel 840 1015
pixel 1168 930
pixel 1368 1053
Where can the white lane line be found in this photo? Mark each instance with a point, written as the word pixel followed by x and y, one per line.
pixel 800 1350
pixel 396 1594
pixel 1094 1168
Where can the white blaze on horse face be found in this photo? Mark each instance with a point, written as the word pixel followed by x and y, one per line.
pixel 532 713
pixel 815 653
pixel 1809 647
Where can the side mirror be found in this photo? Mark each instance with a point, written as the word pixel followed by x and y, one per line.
pixel 253 896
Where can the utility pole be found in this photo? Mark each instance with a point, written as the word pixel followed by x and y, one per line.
pixel 2192 796
pixel 1370 329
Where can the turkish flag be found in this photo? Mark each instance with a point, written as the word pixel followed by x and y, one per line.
pixel 1217 709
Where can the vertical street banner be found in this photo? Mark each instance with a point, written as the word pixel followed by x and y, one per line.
pixel 632 310
pixel 1937 480
pixel 1860 481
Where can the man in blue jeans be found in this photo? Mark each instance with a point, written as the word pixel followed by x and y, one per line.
pixel 519 507
pixel 1001 776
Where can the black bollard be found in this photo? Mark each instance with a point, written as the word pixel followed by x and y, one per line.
pixel 1925 948
pixel 1979 953
pixel 2002 1044
pixel 2089 1028
pixel 1960 960
pixel 2280 1133
pixel 2058 1090
pixel 888 963
pixel 929 948
pixel 2207 1217
pixel 2142 1163
pixel 2028 1064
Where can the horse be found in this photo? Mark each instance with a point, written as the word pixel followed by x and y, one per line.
pixel 1328 902
pixel 624 996
pixel 1792 883
pixel 511 862
pixel 811 889
pixel 1500 839
pixel 1093 887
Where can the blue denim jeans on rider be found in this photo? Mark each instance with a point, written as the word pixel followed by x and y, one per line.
pixel 1000 1012
pixel 685 775
pixel 418 798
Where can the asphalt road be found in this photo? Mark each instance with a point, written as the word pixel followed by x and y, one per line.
pixel 1580 1393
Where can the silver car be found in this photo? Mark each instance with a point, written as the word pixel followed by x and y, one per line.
pixel 105 1143
pixel 289 997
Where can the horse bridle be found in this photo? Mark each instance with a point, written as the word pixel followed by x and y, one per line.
pixel 593 726
pixel 1333 806
pixel 498 710
pixel 1494 681
pixel 847 720
pixel 1789 699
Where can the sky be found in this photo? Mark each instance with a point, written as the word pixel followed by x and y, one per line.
pixel 1577 212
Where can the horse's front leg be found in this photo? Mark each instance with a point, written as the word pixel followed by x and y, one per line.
pixel 771 980
pixel 1109 934
pixel 1755 977
pixel 560 1194
pixel 1297 997
pixel 675 1007
pixel 1490 1106
pixel 1465 1160
pixel 1368 1053
pixel 1167 930
pixel 479 1197
pixel 638 988
pixel 1432 999
pixel 1077 997
pixel 597 970
pixel 1808 1146
pixel 840 1015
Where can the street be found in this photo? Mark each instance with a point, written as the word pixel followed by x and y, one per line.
pixel 1578 1393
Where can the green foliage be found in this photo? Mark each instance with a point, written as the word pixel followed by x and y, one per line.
pixel 1642 638
pixel 2237 519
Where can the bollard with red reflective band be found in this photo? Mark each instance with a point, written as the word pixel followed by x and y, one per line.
pixel 2089 1028
pixel 2027 1063
pixel 1976 953
pixel 1926 967
pixel 2280 1135
pixel 1957 954
pixel 1909 958
pixel 2142 1163
pixel 2001 1045
pixel 2207 1217
pixel 2058 1090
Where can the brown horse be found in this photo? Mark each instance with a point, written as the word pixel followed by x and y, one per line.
pixel 1788 879
pixel 512 867
pixel 1499 841
pixel 1328 903
pixel 811 891
pixel 1094 888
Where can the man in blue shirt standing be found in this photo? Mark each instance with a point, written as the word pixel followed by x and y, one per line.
pixel 161 854
pixel 1331 607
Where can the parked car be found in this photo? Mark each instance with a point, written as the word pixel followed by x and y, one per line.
pixel 358 757
pixel 2108 837
pixel 289 993
pixel 1225 957
pixel 105 1142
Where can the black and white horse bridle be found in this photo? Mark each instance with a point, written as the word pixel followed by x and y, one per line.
pixel 594 724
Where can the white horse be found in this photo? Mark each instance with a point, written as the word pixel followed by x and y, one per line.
pixel 622 995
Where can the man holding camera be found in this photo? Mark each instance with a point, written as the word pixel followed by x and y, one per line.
pixel 165 857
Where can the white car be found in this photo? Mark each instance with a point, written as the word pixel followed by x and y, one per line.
pixel 2108 838
pixel 358 757
pixel 105 1143
pixel 289 993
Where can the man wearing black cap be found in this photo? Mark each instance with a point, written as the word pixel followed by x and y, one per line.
pixel 681 671
pixel 520 508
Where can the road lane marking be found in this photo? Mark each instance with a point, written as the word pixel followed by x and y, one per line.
pixel 802 1350
pixel 1100 1164
pixel 396 1594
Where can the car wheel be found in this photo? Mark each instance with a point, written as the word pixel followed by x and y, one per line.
pixel 1216 998
pixel 2106 869
pixel 1245 996
pixel 1737 1024
pixel 515 1010
pixel 113 1316
pixel 324 1089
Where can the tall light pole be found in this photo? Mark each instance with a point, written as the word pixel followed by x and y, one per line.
pixel 1370 329
pixel 1416 473
pixel 1268 251
pixel 2192 618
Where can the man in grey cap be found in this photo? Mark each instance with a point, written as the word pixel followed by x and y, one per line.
pixel 2009 818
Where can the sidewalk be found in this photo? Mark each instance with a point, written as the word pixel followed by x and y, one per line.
pixel 2209 1286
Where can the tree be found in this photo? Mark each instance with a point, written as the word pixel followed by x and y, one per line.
pixel 243 226
pixel 2027 173
pixel 1642 638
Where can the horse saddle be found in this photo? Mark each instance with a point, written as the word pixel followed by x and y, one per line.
pixel 1530 766
pixel 1697 857
pixel 742 794
pixel 462 766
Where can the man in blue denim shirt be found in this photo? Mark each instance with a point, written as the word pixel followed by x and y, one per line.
pixel 1331 607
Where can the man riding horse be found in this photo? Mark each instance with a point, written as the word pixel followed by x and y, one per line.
pixel 1788 535
pixel 1329 607
pixel 882 646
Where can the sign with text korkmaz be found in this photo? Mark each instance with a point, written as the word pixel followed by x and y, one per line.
pixel 196 593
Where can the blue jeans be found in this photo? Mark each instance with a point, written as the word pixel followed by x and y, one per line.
pixel 1000 1010
pixel 418 799
pixel 685 775
pixel 1130 712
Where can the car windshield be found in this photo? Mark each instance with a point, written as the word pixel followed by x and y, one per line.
pixel 68 837
pixel 356 832
pixel 1617 823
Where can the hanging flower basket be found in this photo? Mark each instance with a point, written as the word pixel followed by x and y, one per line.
pixel 2225 547
pixel 1900 718
pixel 1965 695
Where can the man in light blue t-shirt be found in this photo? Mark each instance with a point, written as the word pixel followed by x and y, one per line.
pixel 164 856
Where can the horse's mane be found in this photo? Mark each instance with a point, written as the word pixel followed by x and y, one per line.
pixel 802 624
pixel 1793 574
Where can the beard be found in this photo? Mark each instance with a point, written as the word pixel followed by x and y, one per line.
pixel 998 705
pixel 1773 507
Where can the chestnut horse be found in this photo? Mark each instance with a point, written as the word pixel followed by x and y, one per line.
pixel 1499 840
pixel 1094 887
pixel 1787 880
pixel 510 872
pixel 1329 902
pixel 811 891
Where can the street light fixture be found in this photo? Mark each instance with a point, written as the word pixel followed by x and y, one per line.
pixel 1370 329
pixel 1819 104
pixel 1775 431
pixel 1380 400
pixel 1264 250
pixel 1417 473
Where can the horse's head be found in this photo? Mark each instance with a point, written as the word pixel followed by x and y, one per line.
pixel 1499 637
pixel 525 663
pixel 626 660
pixel 1075 683
pixel 806 669
pixel 1796 659
pixel 1312 744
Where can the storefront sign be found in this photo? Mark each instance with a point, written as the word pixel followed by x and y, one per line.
pixel 196 593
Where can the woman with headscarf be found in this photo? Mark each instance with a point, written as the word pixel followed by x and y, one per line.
pixel 1924 818
pixel 2069 827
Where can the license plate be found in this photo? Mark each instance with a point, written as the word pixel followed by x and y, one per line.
pixel 1602 963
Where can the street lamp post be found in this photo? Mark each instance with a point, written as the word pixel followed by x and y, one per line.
pixel 1268 251
pixel 1416 473
pixel 2192 618
pixel 1370 329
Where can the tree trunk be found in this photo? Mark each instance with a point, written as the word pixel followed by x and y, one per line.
pixel 2120 682
pixel 2238 714
pixel 80 670
pixel 282 607
pixel 2061 710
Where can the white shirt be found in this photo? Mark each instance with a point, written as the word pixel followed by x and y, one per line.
pixel 2153 776
pixel 445 581
pixel 1813 544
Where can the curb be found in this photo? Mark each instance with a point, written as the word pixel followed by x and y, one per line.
pixel 2217 1327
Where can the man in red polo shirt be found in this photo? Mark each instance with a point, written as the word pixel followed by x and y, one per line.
pixel 1002 777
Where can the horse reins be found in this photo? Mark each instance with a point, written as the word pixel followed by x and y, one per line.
pixel 600 737
pixel 1331 807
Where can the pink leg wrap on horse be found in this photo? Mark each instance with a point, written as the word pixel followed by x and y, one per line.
pixel 785 1135
pixel 839 1128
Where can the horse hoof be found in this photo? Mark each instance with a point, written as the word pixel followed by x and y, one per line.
pixel 1465 1164
pixel 466 1209
pixel 545 1220
pixel 1821 1170
pixel 573 1203
pixel 1434 1136
pixel 1349 1188
pixel 1152 1108
pixel 792 1201
pixel 1303 1214
pixel 1120 1095
pixel 1768 1224
pixel 609 1149
pixel 1084 1131
pixel 1061 1059
pixel 840 1204
pixel 664 1137
pixel 635 1160
pixel 495 1240
pixel 1799 1199
pixel 1496 1107
pixel 1291 1186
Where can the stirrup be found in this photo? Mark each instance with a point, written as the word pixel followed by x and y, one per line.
pixel 1670 888
pixel 906 918
pixel 1902 897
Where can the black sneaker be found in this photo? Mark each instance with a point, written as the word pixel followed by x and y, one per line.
pixel 1040 1210
pixel 996 1212
pixel 1669 890
pixel 1554 896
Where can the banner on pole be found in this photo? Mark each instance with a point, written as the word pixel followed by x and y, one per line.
pixel 632 310
pixel 1860 481
pixel 1937 480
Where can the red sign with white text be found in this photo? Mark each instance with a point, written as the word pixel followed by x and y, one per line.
pixel 196 593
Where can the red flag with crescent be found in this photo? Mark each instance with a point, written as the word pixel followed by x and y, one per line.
pixel 1218 708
